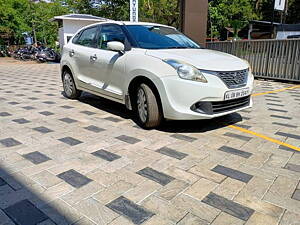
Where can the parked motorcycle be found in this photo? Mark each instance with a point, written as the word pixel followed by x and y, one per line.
pixel 40 54
pixel 47 55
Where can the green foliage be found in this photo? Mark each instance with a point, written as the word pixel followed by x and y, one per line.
pixel 160 11
pixel 13 19
pixel 18 16
pixel 234 14
pixel 46 32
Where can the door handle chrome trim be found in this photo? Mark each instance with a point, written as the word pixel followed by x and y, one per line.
pixel 93 58
pixel 72 53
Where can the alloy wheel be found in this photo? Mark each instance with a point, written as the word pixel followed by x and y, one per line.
pixel 142 105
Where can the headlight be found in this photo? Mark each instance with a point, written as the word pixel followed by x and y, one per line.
pixel 186 71
pixel 249 66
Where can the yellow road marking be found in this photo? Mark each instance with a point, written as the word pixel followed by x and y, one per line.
pixel 265 137
pixel 278 90
pixel 261 135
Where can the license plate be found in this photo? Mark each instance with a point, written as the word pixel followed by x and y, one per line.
pixel 236 94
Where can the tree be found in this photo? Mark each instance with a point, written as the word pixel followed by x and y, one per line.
pixel 46 31
pixel 12 20
pixel 111 9
pixel 233 14
pixel 160 11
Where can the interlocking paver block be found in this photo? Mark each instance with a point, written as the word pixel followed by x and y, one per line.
pixel 156 176
pixel 172 153
pixel 292 167
pixel 46 113
pixel 228 206
pixel 183 137
pixel 89 113
pixel 172 189
pixel 281 117
pixel 238 136
pixel 36 157
pixel 113 119
pixel 235 151
pixel 10 142
pixel 13 103
pixel 74 178
pixel 21 121
pixel 66 107
pixel 25 213
pixel 192 220
pixel 235 174
pixel 129 209
pixel 70 141
pixel 296 195
pixel 288 135
pixel 128 139
pixel 278 110
pixel 68 120
pixel 285 125
pixel 4 114
pixel 49 102
pixel 106 155
pixel 28 107
pixel 94 128
pixel 43 130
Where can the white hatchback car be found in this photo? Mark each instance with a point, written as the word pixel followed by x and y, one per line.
pixel 156 71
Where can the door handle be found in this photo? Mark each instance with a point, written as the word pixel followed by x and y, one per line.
pixel 93 58
pixel 71 53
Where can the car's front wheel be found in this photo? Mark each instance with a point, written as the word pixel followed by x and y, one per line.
pixel 69 86
pixel 147 107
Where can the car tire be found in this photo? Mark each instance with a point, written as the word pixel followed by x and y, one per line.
pixel 70 89
pixel 148 109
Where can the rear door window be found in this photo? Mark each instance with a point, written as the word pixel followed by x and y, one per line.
pixel 87 37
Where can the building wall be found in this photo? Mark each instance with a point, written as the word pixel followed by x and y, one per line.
pixel 194 19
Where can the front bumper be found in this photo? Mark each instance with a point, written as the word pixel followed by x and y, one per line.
pixel 179 98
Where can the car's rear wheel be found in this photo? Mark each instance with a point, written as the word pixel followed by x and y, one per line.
pixel 147 107
pixel 69 86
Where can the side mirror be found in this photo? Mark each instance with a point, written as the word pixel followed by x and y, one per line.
pixel 116 46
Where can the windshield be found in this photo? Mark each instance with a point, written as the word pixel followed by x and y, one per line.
pixel 159 37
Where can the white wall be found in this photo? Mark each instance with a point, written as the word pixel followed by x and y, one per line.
pixel 285 34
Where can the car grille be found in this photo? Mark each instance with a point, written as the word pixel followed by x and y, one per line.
pixel 234 79
pixel 223 106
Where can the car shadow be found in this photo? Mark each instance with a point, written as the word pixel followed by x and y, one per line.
pixel 170 126
pixel 22 204
pixel 200 126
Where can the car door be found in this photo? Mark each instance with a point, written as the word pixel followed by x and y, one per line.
pixel 109 67
pixel 83 54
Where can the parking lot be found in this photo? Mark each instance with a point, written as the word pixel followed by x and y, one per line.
pixel 87 162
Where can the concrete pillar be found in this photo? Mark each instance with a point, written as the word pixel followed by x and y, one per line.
pixel 194 19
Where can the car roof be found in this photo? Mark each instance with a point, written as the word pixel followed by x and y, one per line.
pixel 129 23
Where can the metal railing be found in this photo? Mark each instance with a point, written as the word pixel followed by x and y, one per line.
pixel 274 59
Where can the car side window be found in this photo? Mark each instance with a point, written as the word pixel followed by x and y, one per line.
pixel 87 37
pixel 109 33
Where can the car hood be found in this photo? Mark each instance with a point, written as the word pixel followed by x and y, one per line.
pixel 202 58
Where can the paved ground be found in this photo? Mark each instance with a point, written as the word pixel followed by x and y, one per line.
pixel 86 162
